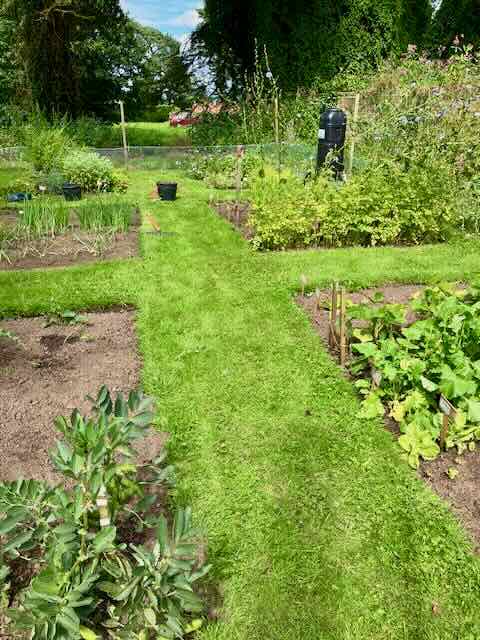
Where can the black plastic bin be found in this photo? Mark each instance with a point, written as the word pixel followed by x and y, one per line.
pixel 18 197
pixel 72 191
pixel 167 190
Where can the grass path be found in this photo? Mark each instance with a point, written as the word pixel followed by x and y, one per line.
pixel 317 529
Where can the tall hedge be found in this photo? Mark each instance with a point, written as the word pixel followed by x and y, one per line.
pixel 306 39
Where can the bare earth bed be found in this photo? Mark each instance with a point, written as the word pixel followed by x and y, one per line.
pixel 461 493
pixel 237 215
pixel 75 246
pixel 48 373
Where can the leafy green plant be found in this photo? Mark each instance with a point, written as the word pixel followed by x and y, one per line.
pixel 384 205
pixel 46 144
pixel 9 335
pixel 65 317
pixel 92 172
pixel 436 354
pixel 218 169
pixel 87 582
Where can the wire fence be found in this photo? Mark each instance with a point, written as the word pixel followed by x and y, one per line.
pixel 298 158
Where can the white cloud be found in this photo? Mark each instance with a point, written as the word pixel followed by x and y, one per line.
pixel 188 19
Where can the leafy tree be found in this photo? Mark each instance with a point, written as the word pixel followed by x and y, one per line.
pixel 51 39
pixel 457 17
pixel 305 39
pixel 159 75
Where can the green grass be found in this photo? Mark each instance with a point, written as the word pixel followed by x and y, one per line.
pixel 157 134
pixel 317 529
pixel 141 134
pixel 9 174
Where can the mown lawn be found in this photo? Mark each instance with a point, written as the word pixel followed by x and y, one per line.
pixel 317 529
pixel 157 134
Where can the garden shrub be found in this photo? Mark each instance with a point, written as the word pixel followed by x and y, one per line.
pixel 92 172
pixel 219 169
pixel 381 205
pixel 91 132
pixel 81 577
pixel 46 145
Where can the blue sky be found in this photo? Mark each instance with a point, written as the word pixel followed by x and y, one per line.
pixel 176 17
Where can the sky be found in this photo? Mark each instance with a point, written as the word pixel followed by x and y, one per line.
pixel 176 17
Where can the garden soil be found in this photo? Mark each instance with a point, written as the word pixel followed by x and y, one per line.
pixel 48 372
pixel 461 493
pixel 75 246
pixel 237 215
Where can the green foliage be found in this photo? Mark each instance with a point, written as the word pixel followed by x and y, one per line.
pixel 8 334
pixel 382 205
pixel 63 52
pixel 46 145
pixel 105 212
pixel 51 216
pixel 220 170
pixel 456 18
pixel 43 216
pixel 437 353
pixel 92 172
pixel 87 583
pixel 305 40
pixel 65 317
pixel 163 79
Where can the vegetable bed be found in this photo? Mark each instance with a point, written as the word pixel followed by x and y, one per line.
pixel 48 232
pixel 414 356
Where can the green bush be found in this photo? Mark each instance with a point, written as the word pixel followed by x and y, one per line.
pixel 91 132
pixel 382 205
pixel 219 169
pixel 92 172
pixel 46 145
pixel 84 579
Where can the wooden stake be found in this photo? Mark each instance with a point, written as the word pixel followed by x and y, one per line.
pixel 353 129
pixel 332 318
pixel 444 431
pixel 124 132
pixel 277 135
pixel 343 346
pixel 238 182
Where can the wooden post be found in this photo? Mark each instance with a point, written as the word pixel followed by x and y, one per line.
pixel 444 431
pixel 277 136
pixel 238 181
pixel 333 317
pixel 124 132
pixel 353 131
pixel 343 349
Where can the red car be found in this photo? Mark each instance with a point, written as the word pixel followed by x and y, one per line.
pixel 182 119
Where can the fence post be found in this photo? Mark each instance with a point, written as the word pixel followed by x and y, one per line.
pixel 277 135
pixel 353 130
pixel 124 132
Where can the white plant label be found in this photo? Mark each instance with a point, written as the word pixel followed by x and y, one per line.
pixel 321 134
pixel 446 407
pixel 376 377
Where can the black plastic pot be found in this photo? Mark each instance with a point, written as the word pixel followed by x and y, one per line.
pixel 19 197
pixel 167 190
pixel 72 191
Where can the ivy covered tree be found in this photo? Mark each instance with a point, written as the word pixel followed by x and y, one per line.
pixel 51 36
pixel 305 39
